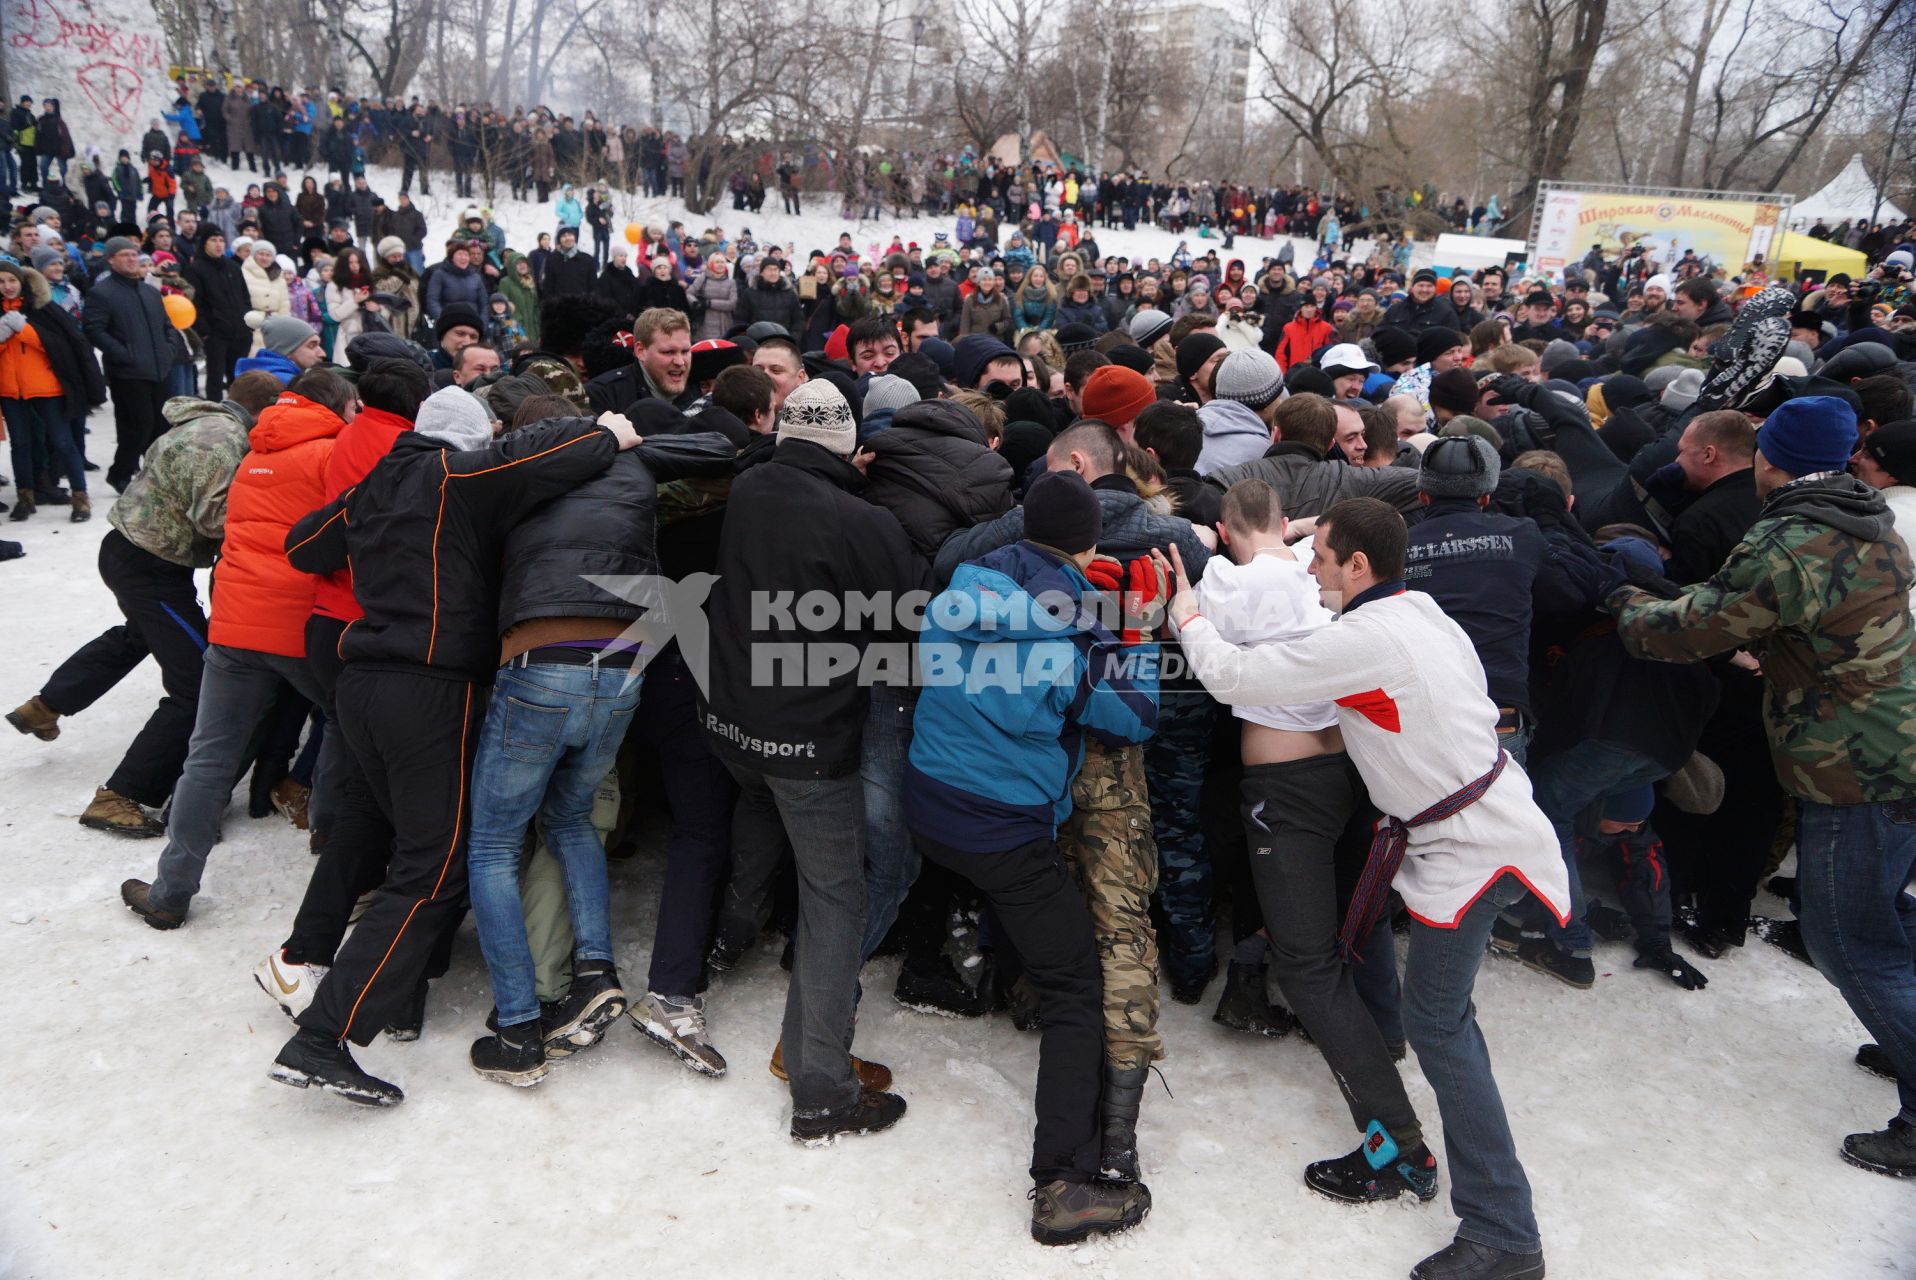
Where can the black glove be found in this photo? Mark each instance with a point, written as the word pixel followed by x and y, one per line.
pixel 1508 388
pixel 1675 967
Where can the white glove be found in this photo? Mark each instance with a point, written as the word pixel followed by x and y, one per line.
pixel 11 323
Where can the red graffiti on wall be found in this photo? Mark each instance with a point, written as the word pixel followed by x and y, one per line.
pixel 112 81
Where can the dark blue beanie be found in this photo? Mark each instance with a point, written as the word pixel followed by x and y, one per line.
pixel 1809 434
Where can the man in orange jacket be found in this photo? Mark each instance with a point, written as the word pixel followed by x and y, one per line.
pixel 257 634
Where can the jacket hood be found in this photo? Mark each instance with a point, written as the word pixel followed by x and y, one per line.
pixel 37 291
pixel 1230 418
pixel 1844 503
pixel 942 418
pixel 180 410
pixel 291 420
pixel 1017 593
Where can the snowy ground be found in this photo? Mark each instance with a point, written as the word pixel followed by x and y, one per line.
pixel 1667 1134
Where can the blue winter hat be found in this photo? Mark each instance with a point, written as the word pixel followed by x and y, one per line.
pixel 1809 434
pixel 1633 805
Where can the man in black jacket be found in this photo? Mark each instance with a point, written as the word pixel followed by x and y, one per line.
pixel 1423 309
pixel 567 270
pixel 785 709
pixel 662 343
pixel 770 298
pixel 125 320
pixel 221 302
pixel 424 534
pixel 1717 455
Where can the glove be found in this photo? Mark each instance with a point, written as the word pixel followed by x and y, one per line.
pixel 11 323
pixel 1140 589
pixel 1675 967
pixel 1508 388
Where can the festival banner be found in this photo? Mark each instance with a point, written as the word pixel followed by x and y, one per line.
pixel 1729 232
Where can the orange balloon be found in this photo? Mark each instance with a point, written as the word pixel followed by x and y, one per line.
pixel 180 310
pixel 634 233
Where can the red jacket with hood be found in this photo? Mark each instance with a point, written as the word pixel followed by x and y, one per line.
pixel 366 439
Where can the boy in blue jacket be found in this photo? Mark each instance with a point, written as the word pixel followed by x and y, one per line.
pixel 1016 670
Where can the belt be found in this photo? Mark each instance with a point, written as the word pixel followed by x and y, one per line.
pixel 560 655
pixel 1509 720
pixel 1387 854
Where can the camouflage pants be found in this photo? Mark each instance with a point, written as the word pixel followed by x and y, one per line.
pixel 1174 764
pixel 1108 845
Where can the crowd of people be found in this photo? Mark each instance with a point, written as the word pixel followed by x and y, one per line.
pixel 1077 626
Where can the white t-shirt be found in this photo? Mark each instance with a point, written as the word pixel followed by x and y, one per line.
pixel 1267 600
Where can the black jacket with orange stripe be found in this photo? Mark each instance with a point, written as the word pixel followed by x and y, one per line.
pixel 425 534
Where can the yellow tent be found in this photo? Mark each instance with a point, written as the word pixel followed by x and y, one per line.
pixel 1795 253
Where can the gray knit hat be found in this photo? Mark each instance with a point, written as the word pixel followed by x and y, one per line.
pixel 1148 325
pixel 1462 466
pixel 1558 352
pixel 1683 390
pixel 116 243
pixel 280 333
pixel 888 391
pixel 816 411
pixel 455 416
pixel 1250 377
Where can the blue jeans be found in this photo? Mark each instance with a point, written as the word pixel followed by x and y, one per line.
pixel 891 860
pixel 9 172
pixel 1488 1190
pixel 43 419
pixel 1565 785
pixel 551 734
pixel 1853 863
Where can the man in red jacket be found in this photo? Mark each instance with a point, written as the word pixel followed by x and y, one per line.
pixel 257 634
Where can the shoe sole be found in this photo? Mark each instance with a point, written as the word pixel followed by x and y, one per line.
pixel 1552 973
pixel 1878 1072
pixel 1050 1236
pixel 936 1010
pixel 828 1139
pixel 19 722
pixel 517 1079
pixel 1887 1171
pixel 588 1028
pixel 1532 1273
pixel 663 1036
pixel 1267 1031
pixel 114 829
pixel 1357 1202
pixel 304 1079
pixel 152 921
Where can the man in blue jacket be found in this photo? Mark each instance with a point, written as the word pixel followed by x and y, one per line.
pixel 1017 670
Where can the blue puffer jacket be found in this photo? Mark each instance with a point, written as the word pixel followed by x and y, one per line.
pixel 1009 691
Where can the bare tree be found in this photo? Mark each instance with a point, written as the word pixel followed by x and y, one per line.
pixel 1322 65
pixel 1017 44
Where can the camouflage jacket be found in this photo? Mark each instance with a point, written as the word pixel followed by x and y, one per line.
pixel 560 379
pixel 176 506
pixel 1818 591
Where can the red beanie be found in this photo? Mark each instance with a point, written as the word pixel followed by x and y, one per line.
pixel 1117 394
pixel 835 348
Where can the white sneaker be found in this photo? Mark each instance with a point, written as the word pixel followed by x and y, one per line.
pixel 292 986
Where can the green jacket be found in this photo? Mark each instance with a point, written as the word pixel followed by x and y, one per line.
pixel 1818 591
pixel 175 507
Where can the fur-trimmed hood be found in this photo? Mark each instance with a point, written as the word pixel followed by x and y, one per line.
pixel 38 292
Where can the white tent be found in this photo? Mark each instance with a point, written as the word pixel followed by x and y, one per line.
pixel 1850 194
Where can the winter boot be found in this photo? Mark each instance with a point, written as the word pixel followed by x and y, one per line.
pixel 1123 1094
pixel 1468 1260
pixel 678 1023
pixel 134 894
pixel 121 815
pixel 821 1126
pixel 82 509
pixel 315 1058
pixel 1244 1006
pixel 292 800
pixel 1375 1171
pixel 23 506
pixel 1067 1212
pixel 1890 1151
pixel 37 718
pixel 1875 1060
pixel 514 1055
pixel 594 1003
pixel 875 1076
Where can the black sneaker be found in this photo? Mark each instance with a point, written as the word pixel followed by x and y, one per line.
pixel 409 1022
pixel 315 1058
pixel 515 1055
pixel 1244 1006
pixel 594 1003
pixel 1067 1212
pixel 1874 1059
pixel 1351 1179
pixel 1891 1151
pixel 821 1126
pixel 1468 1260
pixel 1545 956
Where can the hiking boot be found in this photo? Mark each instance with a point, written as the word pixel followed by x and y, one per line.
pixel 875 1076
pixel 678 1023
pixel 409 1022
pixel 23 506
pixel 315 1058
pixel 1874 1059
pixel 821 1126
pixel 1891 1151
pixel 594 1003
pixel 292 799
pixel 82 509
pixel 514 1055
pixel 1356 1179
pixel 37 718
pixel 120 815
pixel 1244 1006
pixel 1545 956
pixel 1468 1260
pixel 134 894
pixel 291 986
pixel 1067 1212
pixel 1123 1094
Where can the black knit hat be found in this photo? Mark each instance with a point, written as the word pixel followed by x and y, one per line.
pixel 1432 343
pixel 1394 346
pixel 1062 512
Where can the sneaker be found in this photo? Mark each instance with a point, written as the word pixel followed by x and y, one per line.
pixel 1067 1212
pixel 1244 1006
pixel 315 1058
pixel 871 1075
pixel 678 1023
pixel 37 718
pixel 408 1024
pixel 1506 936
pixel 1874 1059
pixel 292 799
pixel 1352 1179
pixel 1545 956
pixel 822 1126
pixel 594 1003
pixel 514 1055
pixel 291 986
pixel 727 951
pixel 1891 1151
pixel 1468 1260
pixel 134 894
pixel 121 815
